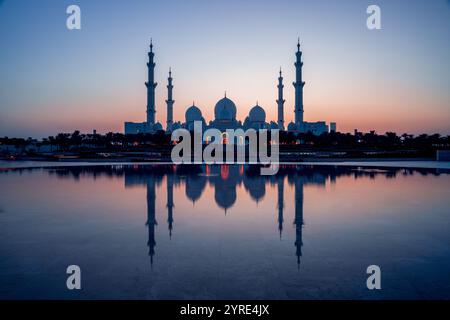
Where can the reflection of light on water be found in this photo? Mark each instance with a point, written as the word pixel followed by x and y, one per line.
pixel 145 216
pixel 208 174
pixel 224 171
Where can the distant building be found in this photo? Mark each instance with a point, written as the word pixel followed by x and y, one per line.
pixel 333 127
pixel 316 128
pixel 225 109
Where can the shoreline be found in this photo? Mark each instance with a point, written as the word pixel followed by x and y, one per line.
pixel 352 162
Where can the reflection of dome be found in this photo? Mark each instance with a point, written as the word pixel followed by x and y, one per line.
pixel 225 195
pixel 194 187
pixel 256 187
pixel 225 109
pixel 257 114
pixel 193 114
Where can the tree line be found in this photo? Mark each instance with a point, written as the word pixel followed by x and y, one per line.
pixel 120 141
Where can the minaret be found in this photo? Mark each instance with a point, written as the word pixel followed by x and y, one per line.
pixel 280 103
pixel 151 85
pixel 298 85
pixel 169 102
pixel 280 204
pixel 298 218
pixel 170 203
pixel 151 219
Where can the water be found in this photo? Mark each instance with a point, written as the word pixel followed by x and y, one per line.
pixel 224 232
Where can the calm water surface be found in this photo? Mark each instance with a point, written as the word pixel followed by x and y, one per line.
pixel 224 232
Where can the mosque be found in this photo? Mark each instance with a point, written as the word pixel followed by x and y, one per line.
pixel 225 109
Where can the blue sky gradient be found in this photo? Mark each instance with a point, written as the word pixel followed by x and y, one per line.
pixel 53 79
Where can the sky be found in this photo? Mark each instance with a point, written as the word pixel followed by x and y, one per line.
pixel 57 80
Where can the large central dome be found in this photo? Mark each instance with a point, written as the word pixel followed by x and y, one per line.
pixel 225 109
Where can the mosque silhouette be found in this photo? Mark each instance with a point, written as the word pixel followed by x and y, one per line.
pixel 225 109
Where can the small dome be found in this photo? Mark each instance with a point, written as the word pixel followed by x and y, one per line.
pixel 193 114
pixel 273 125
pixel 292 126
pixel 257 114
pixel 158 126
pixel 225 109
pixel 176 126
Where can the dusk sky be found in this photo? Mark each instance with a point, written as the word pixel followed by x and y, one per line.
pixel 57 80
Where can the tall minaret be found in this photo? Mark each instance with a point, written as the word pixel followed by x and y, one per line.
pixel 298 222
pixel 280 203
pixel 298 85
pixel 151 219
pixel 151 85
pixel 280 103
pixel 170 203
pixel 169 102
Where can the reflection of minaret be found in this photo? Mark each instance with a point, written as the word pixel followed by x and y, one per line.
pixel 280 203
pixel 280 103
pixel 169 102
pixel 151 219
pixel 170 203
pixel 151 85
pixel 298 85
pixel 298 218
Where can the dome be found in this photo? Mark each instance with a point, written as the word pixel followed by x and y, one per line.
pixel 225 114
pixel 158 126
pixel 274 125
pixel 176 126
pixel 225 109
pixel 292 126
pixel 257 114
pixel 193 114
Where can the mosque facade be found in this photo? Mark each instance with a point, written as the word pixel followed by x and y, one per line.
pixel 225 109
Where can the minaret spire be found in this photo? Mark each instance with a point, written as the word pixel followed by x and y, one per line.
pixel 280 204
pixel 298 85
pixel 169 102
pixel 280 102
pixel 151 85
pixel 298 222
pixel 151 219
pixel 170 204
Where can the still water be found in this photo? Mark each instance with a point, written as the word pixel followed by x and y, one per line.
pixel 224 232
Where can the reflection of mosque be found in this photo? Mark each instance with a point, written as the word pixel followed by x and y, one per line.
pixel 224 179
